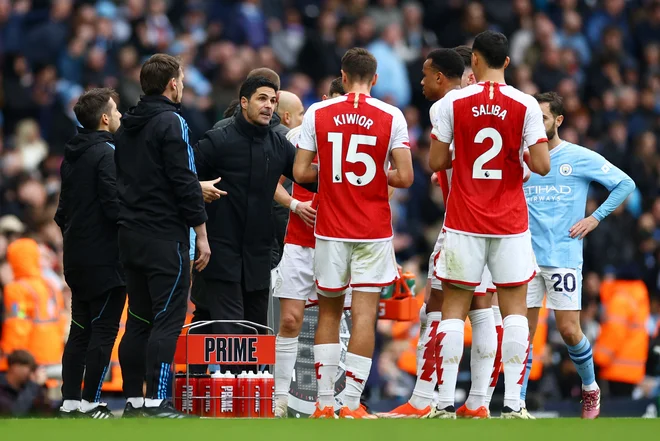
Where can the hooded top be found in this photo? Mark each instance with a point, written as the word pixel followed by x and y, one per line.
pixel 159 193
pixel 88 208
pixel 23 257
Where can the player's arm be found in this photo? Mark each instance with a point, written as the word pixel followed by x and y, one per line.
pixel 535 137
pixel 593 167
pixel 303 169
pixel 302 209
pixel 440 156
pixel 401 174
pixel 442 134
pixel 539 158
pixel 282 196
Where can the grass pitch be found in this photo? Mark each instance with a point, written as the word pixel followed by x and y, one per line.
pixel 566 429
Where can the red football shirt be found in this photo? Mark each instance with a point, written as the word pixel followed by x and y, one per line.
pixel 353 136
pixel 490 124
pixel 297 231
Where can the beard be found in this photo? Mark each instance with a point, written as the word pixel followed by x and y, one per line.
pixel 254 116
pixel 179 96
pixel 552 132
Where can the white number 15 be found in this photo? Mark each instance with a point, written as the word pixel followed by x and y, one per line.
pixel 352 156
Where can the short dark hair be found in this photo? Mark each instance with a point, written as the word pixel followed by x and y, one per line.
pixel 336 87
pixel 21 358
pixel 359 64
pixel 251 84
pixel 92 105
pixel 447 61
pixel 267 73
pixel 157 71
pixel 555 101
pixel 493 46
pixel 466 54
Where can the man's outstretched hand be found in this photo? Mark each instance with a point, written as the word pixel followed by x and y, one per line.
pixel 210 192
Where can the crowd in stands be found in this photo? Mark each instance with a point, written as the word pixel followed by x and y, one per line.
pixel 602 56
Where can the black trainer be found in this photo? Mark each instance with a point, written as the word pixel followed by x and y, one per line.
pixel 165 410
pixel 100 412
pixel 132 412
pixel 510 414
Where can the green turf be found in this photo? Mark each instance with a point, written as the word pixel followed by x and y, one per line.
pixel 331 430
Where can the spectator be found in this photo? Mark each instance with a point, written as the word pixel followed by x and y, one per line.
pixel 23 387
pixel 393 85
pixel 33 308
pixel 622 347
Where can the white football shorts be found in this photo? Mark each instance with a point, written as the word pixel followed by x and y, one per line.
pixel 293 278
pixel 363 266
pixel 510 260
pixel 486 278
pixel 563 287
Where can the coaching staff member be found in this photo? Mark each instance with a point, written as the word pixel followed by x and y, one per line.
pixel 280 214
pixel 87 215
pixel 160 199
pixel 250 157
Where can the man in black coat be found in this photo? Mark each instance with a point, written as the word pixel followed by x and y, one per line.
pixel 280 214
pixel 250 157
pixel 87 215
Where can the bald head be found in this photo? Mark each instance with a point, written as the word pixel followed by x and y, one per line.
pixel 290 109
pixel 269 74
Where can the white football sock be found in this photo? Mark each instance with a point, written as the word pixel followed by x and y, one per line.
pixel 286 351
pixel 136 402
pixel 497 365
pixel 484 348
pixel 71 405
pixel 448 354
pixel 86 406
pixel 326 362
pixel 357 373
pixel 423 324
pixel 152 402
pixel 426 375
pixel 515 344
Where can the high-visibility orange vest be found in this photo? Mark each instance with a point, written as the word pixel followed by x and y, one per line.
pixel 621 350
pixel 401 331
pixel 33 309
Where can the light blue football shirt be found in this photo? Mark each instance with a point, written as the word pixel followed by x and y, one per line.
pixel 558 201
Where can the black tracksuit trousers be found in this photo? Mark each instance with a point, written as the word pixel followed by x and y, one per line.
pixel 158 280
pixel 94 326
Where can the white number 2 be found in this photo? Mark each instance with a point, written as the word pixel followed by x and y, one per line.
pixel 352 156
pixel 478 172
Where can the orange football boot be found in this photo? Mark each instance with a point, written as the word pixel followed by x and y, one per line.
pixel 358 414
pixel 406 411
pixel 326 412
pixel 477 414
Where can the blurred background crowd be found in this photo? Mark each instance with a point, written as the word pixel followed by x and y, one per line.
pixel 602 56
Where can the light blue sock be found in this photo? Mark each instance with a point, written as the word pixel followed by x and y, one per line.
pixel 528 369
pixel 583 360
